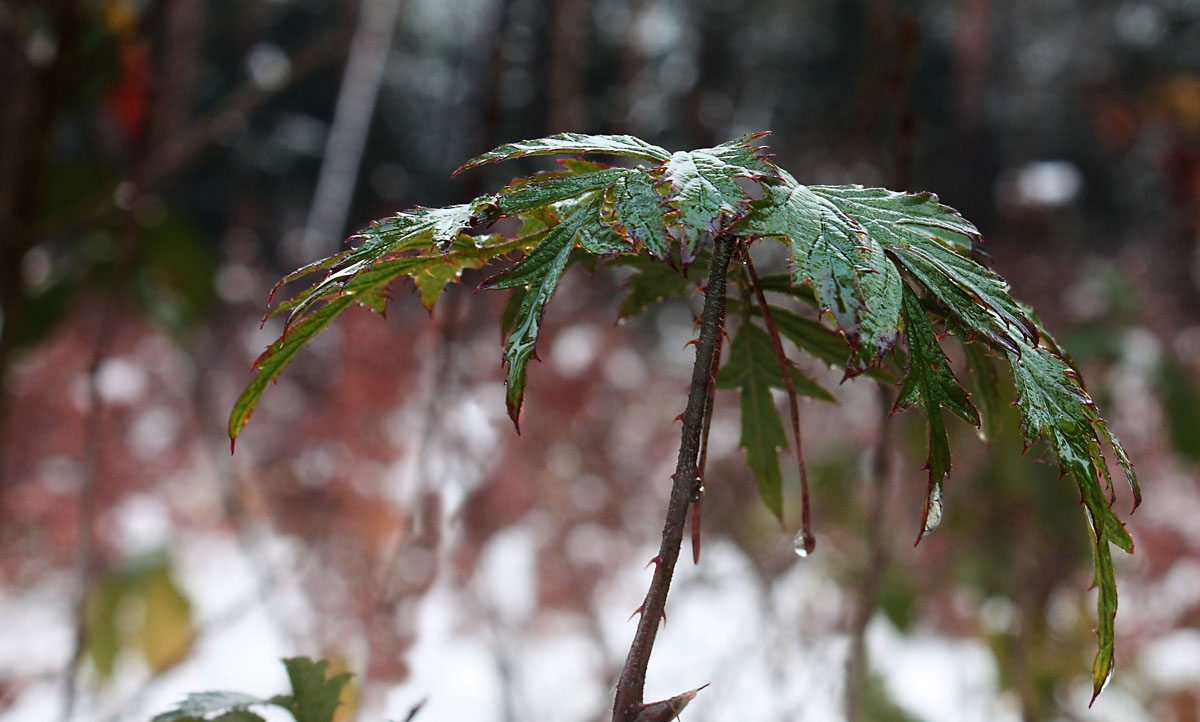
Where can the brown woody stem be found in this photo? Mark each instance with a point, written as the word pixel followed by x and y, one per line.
pixel 683 489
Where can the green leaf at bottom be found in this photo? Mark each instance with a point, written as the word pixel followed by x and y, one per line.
pixel 752 369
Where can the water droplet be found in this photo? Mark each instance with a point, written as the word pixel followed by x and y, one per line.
pixel 804 543
pixel 933 516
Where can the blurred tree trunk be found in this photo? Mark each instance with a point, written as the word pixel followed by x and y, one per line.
pixel 182 26
pixel 568 32
pixel 973 165
pixel 34 48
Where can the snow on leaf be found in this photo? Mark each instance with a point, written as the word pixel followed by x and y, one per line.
pixel 200 704
pixel 623 145
pixel 928 240
pixel 538 273
pixel 703 192
pixel 448 225
pixel 850 275
pixel 930 382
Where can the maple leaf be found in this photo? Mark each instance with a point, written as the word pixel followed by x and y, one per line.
pixel 928 239
pixel 536 192
pixel 847 269
pixel 403 245
pixel 1055 405
pixel 538 274
pixel 810 336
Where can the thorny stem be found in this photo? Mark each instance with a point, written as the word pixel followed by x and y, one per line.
pixel 785 367
pixel 633 677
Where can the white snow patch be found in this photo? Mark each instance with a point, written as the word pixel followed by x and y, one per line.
pixel 121 381
pixel 507 574
pixel 1173 660
pixel 935 678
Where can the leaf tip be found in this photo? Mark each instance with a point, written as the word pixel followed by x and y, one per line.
pixel 515 411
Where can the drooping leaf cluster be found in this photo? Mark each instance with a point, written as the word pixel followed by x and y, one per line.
pixel 880 269
pixel 314 698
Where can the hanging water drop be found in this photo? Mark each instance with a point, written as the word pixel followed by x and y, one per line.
pixel 933 513
pixel 804 543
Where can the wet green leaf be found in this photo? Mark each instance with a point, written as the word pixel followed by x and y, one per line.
pixel 536 192
pixel 538 273
pixel 753 369
pixel 930 382
pixel 641 210
pixel 810 336
pixel 1054 405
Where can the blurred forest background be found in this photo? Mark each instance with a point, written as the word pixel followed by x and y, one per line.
pixel 162 164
